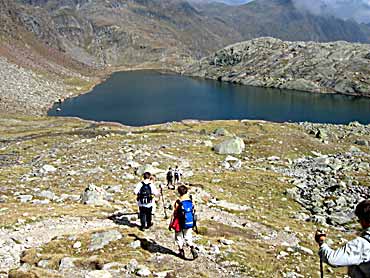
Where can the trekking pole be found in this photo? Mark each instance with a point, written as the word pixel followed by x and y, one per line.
pixel 195 218
pixel 164 208
pixel 321 268
pixel 195 222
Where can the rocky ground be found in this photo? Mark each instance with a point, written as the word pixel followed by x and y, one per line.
pixel 25 92
pixel 336 67
pixel 261 189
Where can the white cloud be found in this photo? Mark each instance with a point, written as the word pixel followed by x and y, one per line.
pixel 346 9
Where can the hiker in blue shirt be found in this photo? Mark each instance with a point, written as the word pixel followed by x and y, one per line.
pixel 183 222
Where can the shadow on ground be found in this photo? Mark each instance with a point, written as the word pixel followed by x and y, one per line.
pixel 152 246
pixel 122 219
pixel 146 244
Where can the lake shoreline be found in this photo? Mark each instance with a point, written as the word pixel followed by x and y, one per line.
pixel 163 90
pixel 107 73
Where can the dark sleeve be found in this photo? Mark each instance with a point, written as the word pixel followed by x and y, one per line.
pixel 176 205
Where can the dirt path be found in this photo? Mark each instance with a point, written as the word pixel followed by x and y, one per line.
pixel 13 243
pixel 155 240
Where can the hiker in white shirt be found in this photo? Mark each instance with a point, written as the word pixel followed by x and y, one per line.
pixel 145 191
pixel 178 174
pixel 355 254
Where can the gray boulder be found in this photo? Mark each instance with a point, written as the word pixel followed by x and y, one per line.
pixel 67 263
pixel 143 271
pixel 101 239
pixel 25 198
pixel 47 169
pixel 47 194
pixel 361 142
pixel 43 264
pixel 231 146
pixel 321 134
pixel 98 274
pixel 149 168
pixel 95 196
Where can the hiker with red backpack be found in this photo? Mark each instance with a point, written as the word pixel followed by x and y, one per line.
pixel 183 221
pixel 145 191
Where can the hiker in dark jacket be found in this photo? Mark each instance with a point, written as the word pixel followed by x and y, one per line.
pixel 169 178
pixel 183 230
pixel 145 191
pixel 355 254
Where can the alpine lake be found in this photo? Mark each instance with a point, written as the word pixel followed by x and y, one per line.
pixel 139 98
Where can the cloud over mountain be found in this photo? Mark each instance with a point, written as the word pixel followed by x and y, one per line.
pixel 358 10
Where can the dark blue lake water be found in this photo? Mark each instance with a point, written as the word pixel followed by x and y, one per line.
pixel 148 97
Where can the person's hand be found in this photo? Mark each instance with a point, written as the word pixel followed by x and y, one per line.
pixel 320 237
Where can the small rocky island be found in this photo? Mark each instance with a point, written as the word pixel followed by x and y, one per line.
pixel 335 67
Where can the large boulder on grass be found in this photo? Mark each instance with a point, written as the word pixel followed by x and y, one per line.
pixel 149 168
pixel 101 239
pixel 231 146
pixel 94 196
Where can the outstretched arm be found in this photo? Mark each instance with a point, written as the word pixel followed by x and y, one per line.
pixel 349 254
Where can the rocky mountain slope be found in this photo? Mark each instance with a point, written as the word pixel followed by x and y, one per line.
pixel 118 32
pixel 258 206
pixel 337 67
pixel 125 32
pixel 33 74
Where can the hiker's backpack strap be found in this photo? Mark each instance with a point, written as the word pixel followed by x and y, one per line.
pixel 366 238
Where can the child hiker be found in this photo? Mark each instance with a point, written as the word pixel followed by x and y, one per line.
pixel 183 222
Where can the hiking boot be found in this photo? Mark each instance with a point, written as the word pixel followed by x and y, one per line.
pixel 194 252
pixel 182 254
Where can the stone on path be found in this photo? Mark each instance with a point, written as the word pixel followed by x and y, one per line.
pixel 135 244
pixel 98 274
pixel 225 241
pixel 143 271
pixel 67 263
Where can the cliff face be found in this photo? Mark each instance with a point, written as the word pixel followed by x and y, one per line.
pixel 337 67
pixel 125 32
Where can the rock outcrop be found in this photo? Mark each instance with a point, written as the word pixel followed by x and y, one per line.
pixel 230 146
pixel 95 196
pixel 336 67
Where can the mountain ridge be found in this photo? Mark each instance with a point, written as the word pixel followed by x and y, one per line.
pixel 336 67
